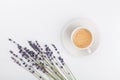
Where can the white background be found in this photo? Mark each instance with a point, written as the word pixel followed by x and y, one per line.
pixel 43 20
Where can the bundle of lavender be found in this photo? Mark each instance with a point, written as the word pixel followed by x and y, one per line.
pixel 44 62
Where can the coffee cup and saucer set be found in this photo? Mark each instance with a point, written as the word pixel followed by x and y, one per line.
pixel 80 37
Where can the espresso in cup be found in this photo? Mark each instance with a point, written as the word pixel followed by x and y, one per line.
pixel 81 37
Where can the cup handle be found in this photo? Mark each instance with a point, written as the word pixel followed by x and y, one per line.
pixel 89 50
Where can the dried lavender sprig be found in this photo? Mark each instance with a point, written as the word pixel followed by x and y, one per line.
pixel 33 46
pixel 47 61
pixel 62 62
pixel 51 65
pixel 56 64
pixel 27 56
pixel 47 49
pixel 62 69
pixel 48 67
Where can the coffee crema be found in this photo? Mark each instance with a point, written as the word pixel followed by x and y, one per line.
pixel 82 38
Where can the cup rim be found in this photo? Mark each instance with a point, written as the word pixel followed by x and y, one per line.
pixel 84 27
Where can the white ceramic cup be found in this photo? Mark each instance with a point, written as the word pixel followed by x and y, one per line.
pixel 88 47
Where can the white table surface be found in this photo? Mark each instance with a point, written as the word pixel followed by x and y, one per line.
pixel 43 20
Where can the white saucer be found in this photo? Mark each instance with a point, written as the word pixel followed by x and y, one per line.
pixel 66 37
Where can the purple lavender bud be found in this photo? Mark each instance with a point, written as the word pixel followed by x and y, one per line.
pixel 19 47
pixel 10 39
pixel 11 51
pixel 61 59
pixel 33 72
